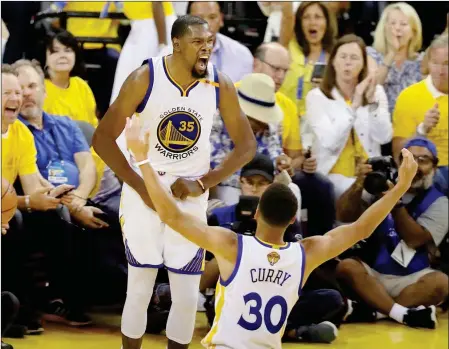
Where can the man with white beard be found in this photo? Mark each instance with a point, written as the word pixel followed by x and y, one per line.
pixel 397 280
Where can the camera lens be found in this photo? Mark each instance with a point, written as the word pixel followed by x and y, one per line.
pixel 375 183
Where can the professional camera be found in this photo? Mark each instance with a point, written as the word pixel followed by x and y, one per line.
pixel 245 223
pixel 384 170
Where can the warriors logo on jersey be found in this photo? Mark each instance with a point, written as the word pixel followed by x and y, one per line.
pixel 273 258
pixel 179 131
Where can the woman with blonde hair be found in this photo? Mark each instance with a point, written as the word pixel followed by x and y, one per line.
pixel 397 41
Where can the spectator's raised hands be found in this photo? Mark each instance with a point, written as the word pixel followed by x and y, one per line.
pixel 431 118
pixel 393 42
pixel 365 88
pixel 408 168
pixel 283 162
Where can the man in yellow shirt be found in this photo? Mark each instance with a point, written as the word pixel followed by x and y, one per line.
pixel 36 208
pixel 422 109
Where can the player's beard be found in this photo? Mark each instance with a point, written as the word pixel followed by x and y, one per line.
pixel 197 75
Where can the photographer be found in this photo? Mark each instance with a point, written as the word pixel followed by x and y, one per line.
pixel 399 277
pixel 313 317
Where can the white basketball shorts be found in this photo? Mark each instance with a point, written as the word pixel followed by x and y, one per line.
pixel 149 243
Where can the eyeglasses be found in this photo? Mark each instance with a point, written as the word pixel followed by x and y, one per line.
pixel 275 68
pixel 423 160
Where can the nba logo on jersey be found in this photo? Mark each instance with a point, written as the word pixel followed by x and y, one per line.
pixel 178 132
pixel 273 258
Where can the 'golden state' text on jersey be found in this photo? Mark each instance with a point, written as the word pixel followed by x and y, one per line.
pixel 179 120
pixel 252 306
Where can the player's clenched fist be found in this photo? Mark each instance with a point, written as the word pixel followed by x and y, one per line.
pixel 431 118
pixel 408 168
pixel 183 188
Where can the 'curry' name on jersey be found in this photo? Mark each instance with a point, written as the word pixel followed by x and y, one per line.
pixel 269 275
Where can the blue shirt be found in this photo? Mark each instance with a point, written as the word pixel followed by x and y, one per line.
pixel 60 139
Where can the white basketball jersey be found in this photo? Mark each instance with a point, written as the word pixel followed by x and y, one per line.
pixel 179 120
pixel 252 306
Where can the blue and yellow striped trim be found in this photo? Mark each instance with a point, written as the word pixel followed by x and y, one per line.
pixel 184 93
pixel 276 247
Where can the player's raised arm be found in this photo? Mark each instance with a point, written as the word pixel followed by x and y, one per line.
pixel 239 130
pixel 111 126
pixel 219 241
pixel 322 248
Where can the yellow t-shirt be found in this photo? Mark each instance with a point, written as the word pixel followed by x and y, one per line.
pixel 411 106
pixel 298 69
pixel 18 152
pixel 291 135
pixel 77 101
pixel 144 10
pixel 351 154
pixel 100 28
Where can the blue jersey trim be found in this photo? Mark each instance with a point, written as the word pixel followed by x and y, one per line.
pixel 142 104
pixel 237 262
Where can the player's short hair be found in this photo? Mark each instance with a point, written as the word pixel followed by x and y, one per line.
pixel 278 205
pixel 183 23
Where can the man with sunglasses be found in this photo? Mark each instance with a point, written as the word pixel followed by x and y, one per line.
pixel 399 278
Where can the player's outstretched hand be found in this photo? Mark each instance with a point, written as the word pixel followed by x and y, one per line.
pixel 138 143
pixel 183 188
pixel 407 170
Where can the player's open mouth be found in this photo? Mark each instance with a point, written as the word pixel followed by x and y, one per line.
pixel 202 62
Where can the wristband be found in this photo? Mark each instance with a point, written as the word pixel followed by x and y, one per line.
pixel 201 185
pixel 143 162
pixel 27 203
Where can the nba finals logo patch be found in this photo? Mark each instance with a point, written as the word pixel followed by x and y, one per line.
pixel 273 258
pixel 178 133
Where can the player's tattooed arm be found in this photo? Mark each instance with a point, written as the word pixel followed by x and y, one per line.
pixel 112 125
pixel 221 242
pixel 239 130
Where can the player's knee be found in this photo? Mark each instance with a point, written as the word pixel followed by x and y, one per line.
pixel 186 299
pixel 139 298
pixel 349 269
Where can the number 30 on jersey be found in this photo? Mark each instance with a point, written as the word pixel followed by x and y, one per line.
pixel 263 315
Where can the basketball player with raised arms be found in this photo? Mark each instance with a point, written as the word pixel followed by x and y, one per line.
pixel 261 276
pixel 176 97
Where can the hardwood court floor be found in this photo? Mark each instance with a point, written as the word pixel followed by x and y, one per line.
pixel 382 335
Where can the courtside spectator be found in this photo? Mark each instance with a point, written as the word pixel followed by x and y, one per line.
pixel 314 35
pixel 39 210
pixel 273 60
pixel 395 277
pixel 69 95
pixel 107 57
pixel 348 114
pixel 423 109
pixel 397 41
pixel 264 115
pixel 66 92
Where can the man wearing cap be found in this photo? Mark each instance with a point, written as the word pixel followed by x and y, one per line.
pixel 399 276
pixel 258 100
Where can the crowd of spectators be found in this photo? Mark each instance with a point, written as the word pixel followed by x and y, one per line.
pixel 333 135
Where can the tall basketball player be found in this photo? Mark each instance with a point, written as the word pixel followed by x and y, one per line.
pixel 176 98
pixel 261 276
